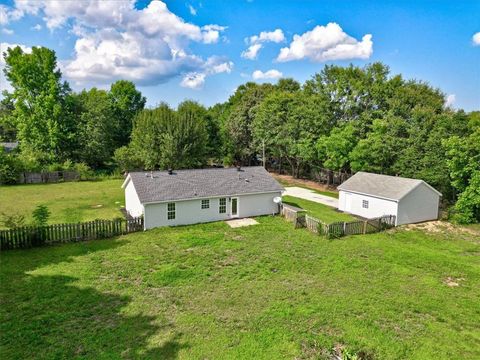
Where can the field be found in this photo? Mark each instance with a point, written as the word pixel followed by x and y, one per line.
pixel 67 202
pixel 266 292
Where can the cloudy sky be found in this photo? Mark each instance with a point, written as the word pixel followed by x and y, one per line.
pixel 204 49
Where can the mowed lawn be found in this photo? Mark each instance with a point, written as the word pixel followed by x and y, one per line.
pixel 320 211
pixel 68 202
pixel 260 292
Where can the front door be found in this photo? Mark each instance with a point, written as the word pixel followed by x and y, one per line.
pixel 234 207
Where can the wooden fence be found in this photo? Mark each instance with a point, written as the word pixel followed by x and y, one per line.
pixel 338 229
pixel 47 177
pixel 294 215
pixel 32 236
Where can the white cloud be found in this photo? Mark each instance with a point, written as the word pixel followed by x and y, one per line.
pixel 37 27
pixel 476 39
pixel 275 36
pixel 270 74
pixel 211 33
pixel 252 52
pixel 214 65
pixel 192 10
pixel 325 43
pixel 256 42
pixel 7 31
pixel 117 41
pixel 3 15
pixel 450 101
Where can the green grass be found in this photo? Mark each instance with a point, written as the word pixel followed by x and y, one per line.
pixel 322 212
pixel 264 292
pixel 67 202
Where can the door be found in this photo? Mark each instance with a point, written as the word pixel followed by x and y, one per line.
pixel 234 207
pixel 348 202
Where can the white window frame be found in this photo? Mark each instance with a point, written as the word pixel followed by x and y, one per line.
pixel 205 204
pixel 171 212
pixel 222 206
pixel 365 204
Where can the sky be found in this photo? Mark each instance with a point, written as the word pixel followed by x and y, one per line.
pixel 204 49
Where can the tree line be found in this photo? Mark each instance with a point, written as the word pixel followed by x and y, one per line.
pixel 344 118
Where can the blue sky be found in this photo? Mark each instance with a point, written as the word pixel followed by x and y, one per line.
pixel 193 49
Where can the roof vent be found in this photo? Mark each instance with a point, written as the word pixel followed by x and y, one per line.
pixel 239 168
pixel 170 171
pixel 246 180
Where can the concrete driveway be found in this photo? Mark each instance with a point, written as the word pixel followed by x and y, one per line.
pixel 310 195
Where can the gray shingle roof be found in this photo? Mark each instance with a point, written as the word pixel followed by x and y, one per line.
pixel 384 186
pixel 201 183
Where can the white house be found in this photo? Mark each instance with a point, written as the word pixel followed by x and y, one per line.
pixel 184 197
pixel 373 195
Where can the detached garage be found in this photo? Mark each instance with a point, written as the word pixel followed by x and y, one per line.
pixel 373 195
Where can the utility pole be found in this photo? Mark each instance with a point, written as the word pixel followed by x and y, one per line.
pixel 263 153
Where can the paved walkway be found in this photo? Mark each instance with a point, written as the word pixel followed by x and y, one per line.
pixel 311 195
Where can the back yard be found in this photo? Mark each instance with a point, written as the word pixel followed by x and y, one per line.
pixel 265 291
pixel 68 202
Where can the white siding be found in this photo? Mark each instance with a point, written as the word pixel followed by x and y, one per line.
pixel 190 211
pixel 376 206
pixel 132 202
pixel 421 204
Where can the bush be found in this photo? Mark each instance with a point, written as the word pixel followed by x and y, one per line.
pixel 84 171
pixel 126 159
pixel 467 208
pixel 12 221
pixel 10 167
pixel 40 215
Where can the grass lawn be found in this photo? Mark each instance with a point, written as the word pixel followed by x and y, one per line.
pixel 67 202
pixel 323 212
pixel 265 292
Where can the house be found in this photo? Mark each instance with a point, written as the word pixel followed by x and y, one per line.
pixel 184 197
pixel 374 195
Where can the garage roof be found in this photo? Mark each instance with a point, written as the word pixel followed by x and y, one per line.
pixel 383 186
pixel 201 183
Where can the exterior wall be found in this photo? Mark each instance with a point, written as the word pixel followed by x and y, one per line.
pixel 132 202
pixel 421 204
pixel 190 211
pixel 376 207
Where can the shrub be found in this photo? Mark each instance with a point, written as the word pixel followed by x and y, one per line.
pixel 13 220
pixel 467 208
pixel 40 215
pixel 126 159
pixel 84 171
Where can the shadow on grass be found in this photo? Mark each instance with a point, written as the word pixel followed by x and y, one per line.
pixel 51 317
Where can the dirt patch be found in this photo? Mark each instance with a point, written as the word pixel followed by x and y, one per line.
pixel 453 282
pixel 291 181
pixel 440 227
pixel 241 222
pixel 96 206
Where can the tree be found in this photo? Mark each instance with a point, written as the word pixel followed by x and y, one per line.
pixel 96 128
pixel 239 123
pixel 289 124
pixel 163 138
pixel 39 98
pixel 126 101
pixel 334 149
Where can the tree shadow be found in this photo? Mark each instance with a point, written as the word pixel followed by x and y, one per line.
pixel 51 317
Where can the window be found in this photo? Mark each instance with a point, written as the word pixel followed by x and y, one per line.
pixel 365 204
pixel 206 204
pixel 171 211
pixel 222 208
